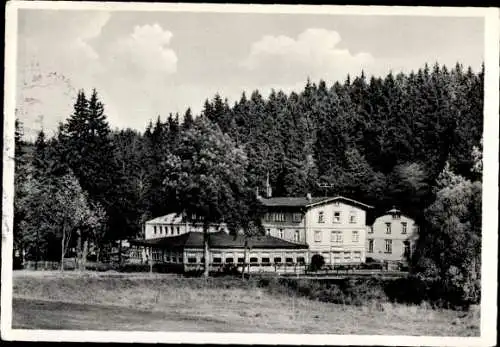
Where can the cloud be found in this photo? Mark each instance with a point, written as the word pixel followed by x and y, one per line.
pixel 314 53
pixel 146 49
pixel 55 58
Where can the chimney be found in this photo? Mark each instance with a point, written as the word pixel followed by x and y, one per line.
pixel 308 196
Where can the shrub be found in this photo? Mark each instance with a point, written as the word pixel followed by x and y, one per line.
pixel 317 262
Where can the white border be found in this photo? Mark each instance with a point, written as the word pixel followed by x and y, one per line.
pixel 490 187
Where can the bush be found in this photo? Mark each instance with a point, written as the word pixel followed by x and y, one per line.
pixel 317 262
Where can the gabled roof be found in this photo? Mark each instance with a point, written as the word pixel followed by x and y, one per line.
pixel 219 240
pixel 305 202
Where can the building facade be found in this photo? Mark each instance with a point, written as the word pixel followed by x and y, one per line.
pixel 185 252
pixel 392 237
pixel 334 227
pixel 174 224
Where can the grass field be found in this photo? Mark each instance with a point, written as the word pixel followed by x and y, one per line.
pixel 160 302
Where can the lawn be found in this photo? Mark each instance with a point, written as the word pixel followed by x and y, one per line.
pixel 161 302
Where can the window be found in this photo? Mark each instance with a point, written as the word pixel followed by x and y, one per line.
pixel 296 236
pixel 154 230
pixel 180 259
pixel 370 246
pixel 388 246
pixel 297 217
pixel 279 217
pixel 267 217
pixel 406 252
pixel 229 260
pixel 178 230
pixel 336 217
pixel 396 216
pixel 191 260
pixel 280 233
pixel 317 236
pixel 254 260
pixel 403 228
pixel 387 228
pixel 336 236
pixel 277 260
pixel 217 260
pixel 321 217
pixel 241 260
pixel 266 260
pixel 167 258
pixel 289 260
pixel 301 260
pixel 352 217
pixel 172 230
pixel 355 236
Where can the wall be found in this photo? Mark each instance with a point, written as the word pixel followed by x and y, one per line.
pixel 164 230
pixel 236 253
pixel 348 250
pixel 379 236
pixel 288 226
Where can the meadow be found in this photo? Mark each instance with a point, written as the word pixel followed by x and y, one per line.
pixel 167 302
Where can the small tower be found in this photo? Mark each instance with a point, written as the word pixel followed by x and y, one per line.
pixel 269 190
pixel 395 213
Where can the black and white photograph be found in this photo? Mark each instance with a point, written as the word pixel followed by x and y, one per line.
pixel 250 174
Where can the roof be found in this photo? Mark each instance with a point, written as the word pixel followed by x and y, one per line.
pixel 171 218
pixel 394 210
pixel 219 240
pixel 305 202
pixel 176 218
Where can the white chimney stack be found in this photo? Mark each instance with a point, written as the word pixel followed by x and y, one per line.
pixel 308 197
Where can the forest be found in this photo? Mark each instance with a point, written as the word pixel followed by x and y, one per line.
pixel 410 140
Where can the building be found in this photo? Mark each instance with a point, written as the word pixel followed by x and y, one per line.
pixel 334 227
pixel 185 252
pixel 178 244
pixel 176 224
pixel 392 237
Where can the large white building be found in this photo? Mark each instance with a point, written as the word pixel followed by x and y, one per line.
pixel 176 224
pixel 334 227
pixel 392 237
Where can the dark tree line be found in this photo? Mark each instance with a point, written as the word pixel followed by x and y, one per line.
pixel 382 140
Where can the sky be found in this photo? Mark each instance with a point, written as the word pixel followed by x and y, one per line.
pixel 145 64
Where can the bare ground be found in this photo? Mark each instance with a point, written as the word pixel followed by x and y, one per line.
pixel 154 302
